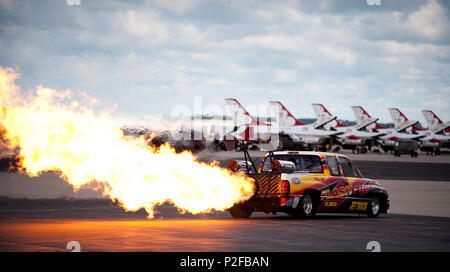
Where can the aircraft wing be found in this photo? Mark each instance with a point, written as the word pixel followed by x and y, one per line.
pixel 320 123
pixel 418 137
pixel 442 127
pixel 379 135
pixel 337 133
pixel 405 125
pixel 367 122
pixel 293 137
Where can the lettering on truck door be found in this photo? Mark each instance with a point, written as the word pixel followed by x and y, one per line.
pixel 354 179
pixel 334 196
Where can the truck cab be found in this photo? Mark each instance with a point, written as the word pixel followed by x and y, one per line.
pixel 303 183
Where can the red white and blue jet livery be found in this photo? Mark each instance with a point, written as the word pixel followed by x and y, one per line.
pixel 352 135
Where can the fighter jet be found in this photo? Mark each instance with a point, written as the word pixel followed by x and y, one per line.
pixel 311 134
pixel 431 141
pixel 402 124
pixel 391 135
pixel 352 136
pixel 435 124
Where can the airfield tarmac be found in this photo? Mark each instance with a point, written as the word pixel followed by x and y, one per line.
pixel 419 218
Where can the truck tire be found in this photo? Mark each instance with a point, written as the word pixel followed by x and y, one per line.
pixel 373 209
pixel 240 211
pixel 307 206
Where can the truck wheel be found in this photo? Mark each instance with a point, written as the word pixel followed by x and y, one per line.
pixel 307 206
pixel 240 211
pixel 373 209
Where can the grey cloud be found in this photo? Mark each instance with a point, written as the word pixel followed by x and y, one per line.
pixel 147 56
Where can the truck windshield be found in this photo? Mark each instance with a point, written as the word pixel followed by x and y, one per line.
pixel 303 163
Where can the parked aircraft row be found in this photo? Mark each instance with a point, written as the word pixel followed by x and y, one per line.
pixel 327 130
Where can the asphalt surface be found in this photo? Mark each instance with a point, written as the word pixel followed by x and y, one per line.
pixel 427 198
pixel 404 170
pixel 420 219
pixel 270 233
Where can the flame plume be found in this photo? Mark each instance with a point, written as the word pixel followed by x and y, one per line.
pixel 55 132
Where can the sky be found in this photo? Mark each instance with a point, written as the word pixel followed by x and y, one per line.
pixel 147 57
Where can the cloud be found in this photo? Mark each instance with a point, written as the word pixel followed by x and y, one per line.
pixel 424 23
pixel 205 56
pixel 144 25
pixel 147 56
pixel 6 4
pixel 281 13
pixel 176 6
pixel 341 54
pixel 429 22
pixel 272 42
pixel 284 76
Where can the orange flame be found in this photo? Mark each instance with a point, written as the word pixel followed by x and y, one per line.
pixel 57 133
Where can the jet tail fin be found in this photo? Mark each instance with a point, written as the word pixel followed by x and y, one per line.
pixel 323 115
pixel 432 120
pixel 241 115
pixel 435 123
pixel 401 122
pixel 397 116
pixel 361 114
pixel 364 120
pixel 285 118
pixel 431 116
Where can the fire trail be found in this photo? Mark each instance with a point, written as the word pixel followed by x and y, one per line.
pixel 59 131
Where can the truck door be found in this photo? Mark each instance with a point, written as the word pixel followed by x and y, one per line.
pixel 354 178
pixel 351 174
pixel 332 196
pixel 336 174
